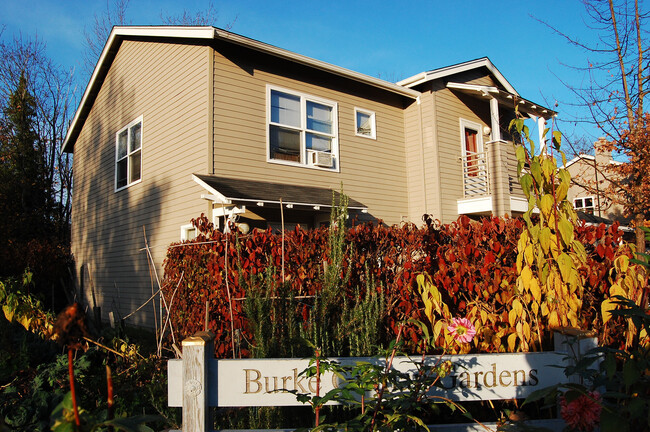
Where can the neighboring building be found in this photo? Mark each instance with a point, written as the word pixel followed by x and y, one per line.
pixel 179 121
pixel 590 182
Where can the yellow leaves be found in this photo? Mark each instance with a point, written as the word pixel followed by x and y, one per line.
pixel 517 307
pixel 529 256
pixel 535 290
pixel 484 317
pixel 526 276
pixel 512 317
pixel 545 239
pixel 545 309
pixel 535 308
pixel 566 230
pixel 622 263
pixel 438 327
pixel 526 330
pixel 606 307
pixel 9 312
pixel 617 290
pixel 24 321
pixel 512 340
pixel 554 319
pixel 431 297
pixel 565 263
pixel 546 204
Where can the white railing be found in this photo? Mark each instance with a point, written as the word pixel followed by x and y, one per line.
pixel 476 181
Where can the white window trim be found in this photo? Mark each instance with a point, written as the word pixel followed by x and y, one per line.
pixel 128 165
pixel 185 229
pixel 304 97
pixel 583 207
pixel 373 123
pixel 468 124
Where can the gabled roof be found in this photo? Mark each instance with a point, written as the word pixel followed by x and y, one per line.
pixel 458 68
pixel 508 97
pixel 238 191
pixel 202 33
pixel 582 157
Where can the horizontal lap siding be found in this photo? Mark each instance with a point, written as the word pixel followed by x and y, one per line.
pixel 167 84
pixel 372 171
pixel 450 109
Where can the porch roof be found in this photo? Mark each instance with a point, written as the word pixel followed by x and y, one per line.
pixel 238 191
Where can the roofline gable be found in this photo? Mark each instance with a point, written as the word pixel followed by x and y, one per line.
pixel 458 68
pixel 119 33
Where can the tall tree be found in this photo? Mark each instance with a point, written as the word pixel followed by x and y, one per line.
pixel 52 90
pixel 613 96
pixel 23 190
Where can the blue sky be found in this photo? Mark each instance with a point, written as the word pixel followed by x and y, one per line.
pixel 389 39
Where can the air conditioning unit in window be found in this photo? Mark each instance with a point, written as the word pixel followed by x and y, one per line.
pixel 321 159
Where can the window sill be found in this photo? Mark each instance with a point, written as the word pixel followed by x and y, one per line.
pixel 301 165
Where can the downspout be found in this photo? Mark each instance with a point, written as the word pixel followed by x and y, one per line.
pixel 424 171
pixel 210 125
pixel 436 146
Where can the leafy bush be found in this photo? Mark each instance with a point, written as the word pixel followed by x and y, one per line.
pixel 471 263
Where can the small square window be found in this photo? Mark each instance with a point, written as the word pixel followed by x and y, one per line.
pixel 128 155
pixel 364 123
pixel 585 204
pixel 188 232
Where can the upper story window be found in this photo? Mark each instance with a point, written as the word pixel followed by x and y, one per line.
pixel 302 129
pixel 128 155
pixel 364 123
pixel 585 204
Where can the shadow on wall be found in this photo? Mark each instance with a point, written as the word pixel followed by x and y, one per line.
pixel 109 227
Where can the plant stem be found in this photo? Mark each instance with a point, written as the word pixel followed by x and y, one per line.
pixel 317 408
pixel 109 387
pixel 389 365
pixel 75 408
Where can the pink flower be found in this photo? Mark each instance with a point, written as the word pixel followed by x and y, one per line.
pixel 462 330
pixel 582 413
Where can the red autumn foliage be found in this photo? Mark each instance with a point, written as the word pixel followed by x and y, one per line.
pixel 468 261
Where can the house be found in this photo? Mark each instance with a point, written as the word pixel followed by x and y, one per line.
pixel 179 121
pixel 590 183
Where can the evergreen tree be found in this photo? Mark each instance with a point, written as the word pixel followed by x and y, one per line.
pixel 24 191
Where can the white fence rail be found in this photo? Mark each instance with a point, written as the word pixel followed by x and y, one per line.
pixel 476 180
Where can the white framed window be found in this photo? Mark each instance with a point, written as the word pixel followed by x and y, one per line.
pixel 301 129
pixel 128 155
pixel 585 204
pixel 364 123
pixel 188 232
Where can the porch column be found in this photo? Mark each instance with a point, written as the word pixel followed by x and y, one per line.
pixel 499 181
pixel 541 125
pixel 494 120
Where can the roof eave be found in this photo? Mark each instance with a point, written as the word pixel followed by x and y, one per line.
pixel 458 68
pixel 119 33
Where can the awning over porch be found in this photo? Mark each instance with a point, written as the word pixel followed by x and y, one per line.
pixel 232 191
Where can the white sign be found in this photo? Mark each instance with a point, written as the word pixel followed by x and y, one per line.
pixel 262 382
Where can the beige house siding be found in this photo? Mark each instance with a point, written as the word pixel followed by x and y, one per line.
pixel 585 182
pixel 414 131
pixel 372 171
pixel 167 85
pixel 451 107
